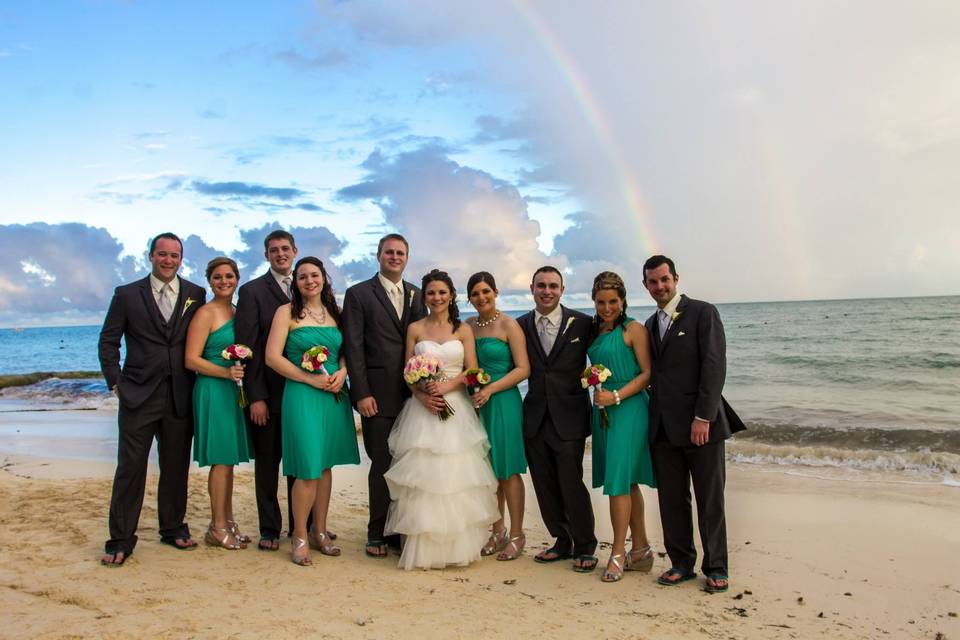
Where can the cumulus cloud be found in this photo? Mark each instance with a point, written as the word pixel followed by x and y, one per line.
pixel 455 217
pixel 592 244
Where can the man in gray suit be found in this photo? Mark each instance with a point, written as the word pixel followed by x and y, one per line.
pixel 689 421
pixel 376 314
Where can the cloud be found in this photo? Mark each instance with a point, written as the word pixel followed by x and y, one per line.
pixel 211 114
pixel 455 217
pixel 311 241
pixel 592 244
pixel 245 190
pixel 318 62
pixel 491 128
pixel 196 255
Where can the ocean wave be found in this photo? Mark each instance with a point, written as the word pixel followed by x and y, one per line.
pixel 892 440
pixel 924 463
pixel 81 393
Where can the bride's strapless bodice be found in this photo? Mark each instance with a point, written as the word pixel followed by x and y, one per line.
pixel 450 354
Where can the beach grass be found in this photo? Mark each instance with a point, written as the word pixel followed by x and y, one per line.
pixel 24 379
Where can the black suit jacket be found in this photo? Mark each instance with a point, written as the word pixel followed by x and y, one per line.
pixel 257 303
pixel 374 342
pixel 689 368
pixel 554 383
pixel 154 347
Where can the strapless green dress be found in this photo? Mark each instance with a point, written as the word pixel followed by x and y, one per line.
pixel 220 432
pixel 621 452
pixel 318 432
pixel 502 416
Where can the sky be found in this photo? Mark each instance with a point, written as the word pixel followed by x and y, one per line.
pixel 776 151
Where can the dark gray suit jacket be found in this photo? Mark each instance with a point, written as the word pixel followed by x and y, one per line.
pixel 554 382
pixel 257 303
pixel 154 347
pixel 374 342
pixel 689 368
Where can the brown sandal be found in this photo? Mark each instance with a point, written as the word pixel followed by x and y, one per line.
pixel 496 542
pixel 640 559
pixel 227 539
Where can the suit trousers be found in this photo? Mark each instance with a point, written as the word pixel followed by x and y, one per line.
pixel 376 431
pixel 155 418
pixel 675 467
pixel 556 469
pixel 267 453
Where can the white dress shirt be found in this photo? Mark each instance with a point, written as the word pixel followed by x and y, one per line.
pixel 552 329
pixel 279 277
pixel 394 293
pixel 173 291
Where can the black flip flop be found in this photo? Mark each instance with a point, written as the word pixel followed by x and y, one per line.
pixel 591 563
pixel 381 547
pixel 266 544
pixel 673 571
pixel 558 555
pixel 172 542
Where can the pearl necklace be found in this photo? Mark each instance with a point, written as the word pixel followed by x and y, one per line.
pixel 484 323
pixel 318 319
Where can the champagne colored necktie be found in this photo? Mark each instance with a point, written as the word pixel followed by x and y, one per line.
pixel 545 341
pixel 664 323
pixel 166 306
pixel 286 286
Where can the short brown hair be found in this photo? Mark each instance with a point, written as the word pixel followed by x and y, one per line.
pixel 278 234
pixel 219 261
pixel 392 236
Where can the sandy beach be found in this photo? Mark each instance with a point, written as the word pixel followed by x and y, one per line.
pixel 810 557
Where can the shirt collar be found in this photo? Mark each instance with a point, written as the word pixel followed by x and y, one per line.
pixel 671 306
pixel 157 284
pixel 390 285
pixel 554 316
pixel 279 277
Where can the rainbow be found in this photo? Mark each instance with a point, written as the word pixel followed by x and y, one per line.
pixel 595 117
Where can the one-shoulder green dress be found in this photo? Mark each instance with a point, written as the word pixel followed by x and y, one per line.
pixel 317 431
pixel 220 432
pixel 502 415
pixel 621 452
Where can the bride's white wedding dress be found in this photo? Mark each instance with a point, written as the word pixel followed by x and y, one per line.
pixel 441 484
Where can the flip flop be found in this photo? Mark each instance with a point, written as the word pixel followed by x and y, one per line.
pixel 587 563
pixel 715 577
pixel 114 554
pixel 172 542
pixel 673 571
pixel 558 555
pixel 268 544
pixel 380 545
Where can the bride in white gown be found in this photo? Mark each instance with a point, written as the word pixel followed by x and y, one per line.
pixel 441 484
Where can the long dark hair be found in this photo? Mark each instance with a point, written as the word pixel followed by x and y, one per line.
pixel 608 281
pixel 326 294
pixel 443 277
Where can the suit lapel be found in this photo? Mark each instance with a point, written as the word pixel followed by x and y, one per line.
pixel 151 305
pixel 557 347
pixel 381 295
pixel 177 310
pixel 530 326
pixel 274 288
pixel 407 303
pixel 674 325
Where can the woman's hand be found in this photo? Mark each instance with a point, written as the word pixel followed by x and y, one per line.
pixel 433 403
pixel 236 371
pixel 481 397
pixel 335 382
pixel 441 387
pixel 602 398
pixel 319 381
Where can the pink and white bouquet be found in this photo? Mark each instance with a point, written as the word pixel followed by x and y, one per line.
pixel 238 353
pixel 594 376
pixel 422 368
pixel 313 360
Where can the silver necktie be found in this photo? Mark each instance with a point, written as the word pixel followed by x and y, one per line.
pixel 545 340
pixel 286 286
pixel 165 304
pixel 664 323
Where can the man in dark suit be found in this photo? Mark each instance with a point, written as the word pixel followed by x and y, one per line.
pixel 257 303
pixel 376 314
pixel 689 421
pixel 556 420
pixel 155 391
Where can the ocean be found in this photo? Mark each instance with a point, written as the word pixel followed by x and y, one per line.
pixel 856 386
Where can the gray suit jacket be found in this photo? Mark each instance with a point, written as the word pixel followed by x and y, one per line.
pixel 374 342
pixel 689 368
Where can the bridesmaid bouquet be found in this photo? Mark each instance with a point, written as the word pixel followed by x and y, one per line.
pixel 422 368
pixel 238 353
pixel 313 359
pixel 475 378
pixel 594 376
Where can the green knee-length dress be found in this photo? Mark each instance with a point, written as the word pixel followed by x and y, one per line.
pixel 220 432
pixel 318 431
pixel 502 415
pixel 621 452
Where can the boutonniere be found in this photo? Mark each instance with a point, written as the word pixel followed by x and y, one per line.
pixel 674 316
pixel 410 297
pixel 186 305
pixel 569 322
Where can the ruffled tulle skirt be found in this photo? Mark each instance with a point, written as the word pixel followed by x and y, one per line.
pixel 442 486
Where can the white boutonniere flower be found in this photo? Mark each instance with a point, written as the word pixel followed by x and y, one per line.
pixel 569 322
pixel 186 305
pixel 410 297
pixel 674 316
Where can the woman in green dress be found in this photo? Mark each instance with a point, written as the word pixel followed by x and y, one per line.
pixel 220 432
pixel 621 453
pixel 317 419
pixel 502 353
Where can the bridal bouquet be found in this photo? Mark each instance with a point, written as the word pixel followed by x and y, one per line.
pixel 594 376
pixel 313 359
pixel 423 368
pixel 475 378
pixel 238 353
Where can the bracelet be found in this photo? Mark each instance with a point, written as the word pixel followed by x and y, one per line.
pixel 616 397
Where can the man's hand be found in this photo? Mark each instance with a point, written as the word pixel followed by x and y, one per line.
pixel 367 407
pixel 699 432
pixel 259 413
